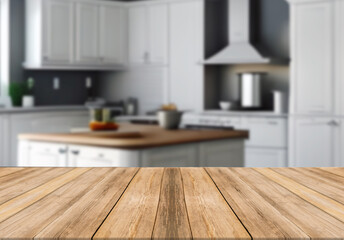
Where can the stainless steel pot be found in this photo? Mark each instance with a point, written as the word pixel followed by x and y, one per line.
pixel 250 88
pixel 169 119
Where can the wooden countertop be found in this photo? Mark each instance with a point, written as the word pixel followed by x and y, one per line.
pixel 171 203
pixel 149 136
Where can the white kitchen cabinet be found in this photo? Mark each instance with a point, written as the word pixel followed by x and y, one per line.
pixel 186 51
pixel 157 34
pixel 313 142
pixel 266 132
pixel 148 34
pixel 312 83
pixel 138 52
pixel 269 157
pixel 42 155
pixel 87 32
pixel 112 35
pixel 172 156
pixel 57 122
pixel 85 156
pixel 223 153
pixel 58 32
pixel 75 34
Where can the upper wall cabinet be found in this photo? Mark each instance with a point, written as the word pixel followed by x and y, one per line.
pixel 87 25
pixel 58 30
pixel 148 34
pixel 75 34
pixel 313 57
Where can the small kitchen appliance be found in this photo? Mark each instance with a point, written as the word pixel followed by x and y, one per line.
pixel 250 90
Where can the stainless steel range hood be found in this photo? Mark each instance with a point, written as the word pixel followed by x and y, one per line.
pixel 239 50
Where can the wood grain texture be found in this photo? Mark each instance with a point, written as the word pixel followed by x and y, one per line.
pixel 323 202
pixel 326 183
pixel 316 223
pixel 260 218
pixel 151 136
pixel 83 219
pixel 209 215
pixel 172 218
pixel 29 222
pixel 134 215
pixel 7 171
pixel 21 202
pixel 171 203
pixel 23 181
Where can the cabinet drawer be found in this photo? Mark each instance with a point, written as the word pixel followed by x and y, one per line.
pixel 265 132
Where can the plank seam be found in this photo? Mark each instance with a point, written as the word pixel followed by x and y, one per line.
pixel 186 207
pixel 107 215
pixel 18 171
pixel 157 209
pixel 228 203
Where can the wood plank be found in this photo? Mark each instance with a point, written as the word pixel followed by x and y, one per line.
pixel 313 221
pixel 336 171
pixel 172 218
pixel 209 214
pixel 82 219
pixel 260 218
pixel 20 182
pixel 27 223
pixel 134 215
pixel 319 200
pixel 326 183
pixel 20 202
pixel 7 171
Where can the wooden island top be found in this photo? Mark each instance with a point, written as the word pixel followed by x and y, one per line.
pixel 171 203
pixel 130 136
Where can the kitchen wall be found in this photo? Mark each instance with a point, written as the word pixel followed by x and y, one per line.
pixel 148 85
pixel 72 91
pixel 269 33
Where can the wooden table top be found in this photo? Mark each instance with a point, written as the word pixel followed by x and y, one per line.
pixel 171 203
pixel 149 136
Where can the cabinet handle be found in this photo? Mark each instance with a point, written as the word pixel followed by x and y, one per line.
pixel 45 58
pixel 333 123
pixel 272 123
pixel 62 151
pixel 146 56
pixel 75 152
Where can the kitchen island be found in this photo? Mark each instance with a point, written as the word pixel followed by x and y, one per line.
pixel 134 146
pixel 171 203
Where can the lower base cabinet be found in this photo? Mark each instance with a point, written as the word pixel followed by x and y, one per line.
pixel 258 157
pixel 315 142
pixel 225 153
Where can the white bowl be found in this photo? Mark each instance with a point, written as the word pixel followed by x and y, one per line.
pixel 225 106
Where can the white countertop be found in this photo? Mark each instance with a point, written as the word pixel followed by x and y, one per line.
pixel 43 109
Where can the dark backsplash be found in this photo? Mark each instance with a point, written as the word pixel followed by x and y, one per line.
pixel 72 89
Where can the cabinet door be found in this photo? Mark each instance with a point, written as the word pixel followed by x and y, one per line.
pixel 138 49
pixel 266 132
pixel 112 35
pixel 313 143
pixel 339 58
pixel 46 155
pixel 312 54
pixel 4 141
pixel 158 32
pixel 174 156
pixel 58 31
pixel 261 157
pixel 87 32
pixel 227 153
pixel 186 53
